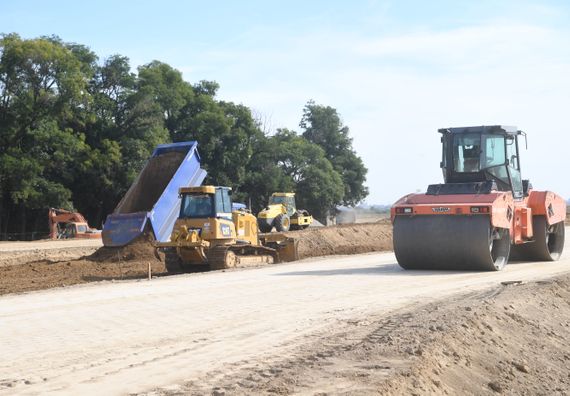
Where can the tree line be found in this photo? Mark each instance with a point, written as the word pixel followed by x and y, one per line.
pixel 76 130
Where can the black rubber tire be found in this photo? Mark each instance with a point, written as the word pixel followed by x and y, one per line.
pixel 172 262
pixel 547 244
pixel 450 242
pixel 282 223
pixel 263 226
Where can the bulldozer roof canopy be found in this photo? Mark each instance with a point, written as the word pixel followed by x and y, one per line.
pixel 202 189
pixel 282 194
pixel 497 129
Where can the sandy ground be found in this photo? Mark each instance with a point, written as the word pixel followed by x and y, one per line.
pixel 12 253
pixel 48 244
pixel 199 333
pixel 508 339
pixel 50 265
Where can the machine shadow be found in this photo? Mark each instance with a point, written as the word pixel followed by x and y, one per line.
pixel 384 270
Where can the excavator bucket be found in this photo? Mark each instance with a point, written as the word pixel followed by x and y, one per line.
pixel 152 201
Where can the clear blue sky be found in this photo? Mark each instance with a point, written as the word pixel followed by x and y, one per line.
pixel 395 70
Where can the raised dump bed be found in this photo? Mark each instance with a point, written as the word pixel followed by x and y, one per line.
pixel 152 201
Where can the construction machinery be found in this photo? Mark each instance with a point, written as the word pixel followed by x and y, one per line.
pixel 64 224
pixel 151 204
pixel 209 232
pixel 483 214
pixel 282 213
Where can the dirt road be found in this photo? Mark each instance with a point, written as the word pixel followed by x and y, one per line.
pixel 133 336
pixel 12 253
pixel 49 244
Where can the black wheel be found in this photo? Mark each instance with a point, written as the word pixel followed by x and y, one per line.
pixel 547 244
pixel 500 248
pixel 282 223
pixel 172 262
pixel 446 242
pixel 263 226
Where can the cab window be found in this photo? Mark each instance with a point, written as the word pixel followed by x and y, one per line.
pixel 467 152
pixel 196 205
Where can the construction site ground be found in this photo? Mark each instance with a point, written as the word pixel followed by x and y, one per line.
pixel 344 324
pixel 26 266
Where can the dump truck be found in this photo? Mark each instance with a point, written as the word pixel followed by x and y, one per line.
pixel 282 214
pixel 151 204
pixel 64 224
pixel 208 232
pixel 484 213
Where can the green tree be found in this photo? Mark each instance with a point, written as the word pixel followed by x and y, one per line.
pixel 42 90
pixel 318 185
pixel 322 126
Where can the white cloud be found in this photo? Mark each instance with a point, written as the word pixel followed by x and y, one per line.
pixel 395 91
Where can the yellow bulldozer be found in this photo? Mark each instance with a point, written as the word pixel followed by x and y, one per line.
pixel 282 214
pixel 208 232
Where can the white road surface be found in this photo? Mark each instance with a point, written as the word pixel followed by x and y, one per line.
pixel 115 338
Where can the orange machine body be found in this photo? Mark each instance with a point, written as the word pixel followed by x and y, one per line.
pixel 64 224
pixel 503 211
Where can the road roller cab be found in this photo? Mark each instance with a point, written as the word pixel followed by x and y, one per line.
pixel 484 213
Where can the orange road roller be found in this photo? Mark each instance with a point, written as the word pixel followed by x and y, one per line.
pixel 484 213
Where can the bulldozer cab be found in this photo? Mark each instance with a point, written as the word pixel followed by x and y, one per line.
pixel 206 202
pixel 483 154
pixel 286 199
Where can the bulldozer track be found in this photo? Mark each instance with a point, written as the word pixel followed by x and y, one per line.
pixel 236 256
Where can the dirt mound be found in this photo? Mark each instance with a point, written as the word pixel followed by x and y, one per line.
pixel 151 182
pixel 47 274
pixel 131 261
pixel 344 239
pixel 53 255
pixel 491 342
pixel 140 249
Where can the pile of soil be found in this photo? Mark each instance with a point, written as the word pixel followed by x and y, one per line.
pixel 131 261
pixel 344 239
pixel 511 339
pixel 151 182
pixel 48 255
pixel 141 249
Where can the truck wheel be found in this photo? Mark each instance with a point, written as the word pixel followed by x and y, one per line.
pixel 282 223
pixel 548 242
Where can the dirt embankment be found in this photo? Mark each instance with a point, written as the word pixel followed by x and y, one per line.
pixel 131 262
pixel 509 340
pixel 344 239
pixel 48 255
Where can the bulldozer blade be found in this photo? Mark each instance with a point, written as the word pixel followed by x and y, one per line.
pixel 288 250
pixel 450 242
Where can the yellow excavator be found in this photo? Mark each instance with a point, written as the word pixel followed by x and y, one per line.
pixel 282 213
pixel 209 232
